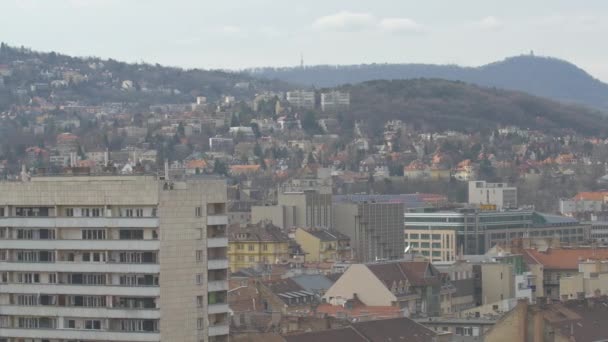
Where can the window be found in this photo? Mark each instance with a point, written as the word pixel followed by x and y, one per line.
pixel 200 324
pixel 139 212
pixel 52 278
pixel 414 236
pixel 251 258
pixel 199 278
pixel 264 247
pixel 424 236
pixel 28 278
pixel 199 301
pixel 71 324
pixel 92 324
pixel 93 234
pixel 239 246
pixel 131 234
pixel 436 245
pixel 198 211
pixel 436 237
pixel 129 212
pixel 96 212
pixel 69 212
pixel 250 247
pixel 199 255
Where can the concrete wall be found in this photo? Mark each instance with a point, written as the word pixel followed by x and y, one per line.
pixel 497 281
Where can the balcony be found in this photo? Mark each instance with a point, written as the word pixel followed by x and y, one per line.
pixel 218 308
pixel 217 264
pixel 217 285
pixel 80 222
pixel 84 312
pixel 218 330
pixel 77 335
pixel 216 220
pixel 100 290
pixel 65 266
pixel 217 242
pixel 123 245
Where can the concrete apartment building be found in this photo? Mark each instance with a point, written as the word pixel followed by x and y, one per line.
pixel 113 258
pixel 499 195
pixel 301 98
pixel 375 229
pixel 334 100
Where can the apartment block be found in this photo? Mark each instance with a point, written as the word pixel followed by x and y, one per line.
pixel 113 258
pixel 334 100
pixel 301 98
pixel 322 245
pixel 257 244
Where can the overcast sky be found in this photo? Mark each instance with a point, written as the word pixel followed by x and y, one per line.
pixel 236 34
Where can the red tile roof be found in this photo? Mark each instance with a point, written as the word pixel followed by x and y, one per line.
pixel 564 258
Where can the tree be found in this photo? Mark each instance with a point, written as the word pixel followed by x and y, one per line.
pixel 220 168
pixel 234 121
pixel 257 150
pixel 309 123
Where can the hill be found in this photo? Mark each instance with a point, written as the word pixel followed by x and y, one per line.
pixel 443 105
pixel 89 80
pixel 542 76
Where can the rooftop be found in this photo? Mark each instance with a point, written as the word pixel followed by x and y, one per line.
pixel 564 258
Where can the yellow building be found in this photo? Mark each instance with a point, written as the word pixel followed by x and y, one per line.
pixel 436 244
pixel 321 245
pixel 257 244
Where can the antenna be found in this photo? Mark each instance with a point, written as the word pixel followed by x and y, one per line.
pixel 301 60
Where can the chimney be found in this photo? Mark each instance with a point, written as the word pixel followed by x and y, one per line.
pixel 166 169
pixel 25 177
pixel 106 157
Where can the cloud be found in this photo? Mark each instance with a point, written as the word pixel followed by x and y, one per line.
pixel 489 23
pixel 400 25
pixel 345 21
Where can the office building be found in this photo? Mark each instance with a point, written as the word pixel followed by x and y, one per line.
pixel 307 208
pixel 113 258
pixel 497 196
pixel 478 230
pixel 375 229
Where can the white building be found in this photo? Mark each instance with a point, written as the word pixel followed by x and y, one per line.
pixel 334 100
pixel 301 98
pixel 573 206
pixel 113 258
pixel 498 194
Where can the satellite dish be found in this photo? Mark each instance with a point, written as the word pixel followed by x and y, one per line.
pixel 407 249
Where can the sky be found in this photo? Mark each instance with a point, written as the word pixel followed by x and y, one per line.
pixel 237 34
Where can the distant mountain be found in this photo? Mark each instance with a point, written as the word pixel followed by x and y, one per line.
pixel 542 76
pixel 443 105
pixel 25 73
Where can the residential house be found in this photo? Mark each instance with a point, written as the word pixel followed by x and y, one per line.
pixel 257 244
pixel 550 265
pixel 413 286
pixel 322 245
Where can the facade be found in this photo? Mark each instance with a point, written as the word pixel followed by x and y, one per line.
pixel 321 245
pixel 499 195
pixel 438 245
pixel 301 98
pixel 375 229
pixel 334 100
pixel 590 281
pixel 257 244
pixel 113 258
